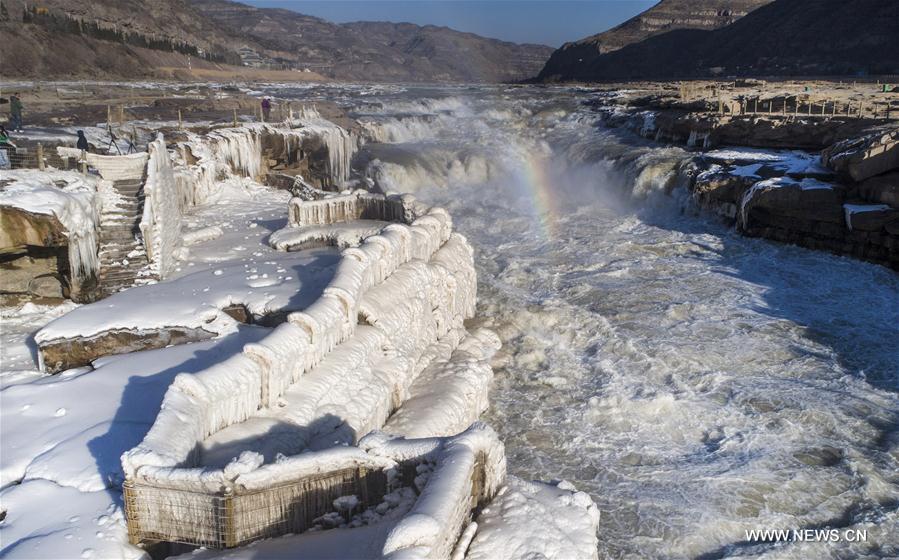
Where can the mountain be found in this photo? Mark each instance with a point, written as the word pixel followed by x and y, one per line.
pixel 782 38
pixel 183 38
pixel 375 51
pixel 573 60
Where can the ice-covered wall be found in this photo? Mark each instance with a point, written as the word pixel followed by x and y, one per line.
pixel 161 221
pixel 349 206
pixel 227 152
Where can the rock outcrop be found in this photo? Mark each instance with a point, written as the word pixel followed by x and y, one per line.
pixel 573 60
pixel 883 189
pixel 863 158
pixel 798 208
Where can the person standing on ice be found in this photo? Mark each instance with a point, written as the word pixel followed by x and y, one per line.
pixel 15 113
pixel 266 108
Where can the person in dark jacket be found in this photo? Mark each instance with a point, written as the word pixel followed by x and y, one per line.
pixel 266 109
pixel 82 141
pixel 15 113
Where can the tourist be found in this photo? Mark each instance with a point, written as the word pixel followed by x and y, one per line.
pixel 266 109
pixel 15 113
pixel 82 141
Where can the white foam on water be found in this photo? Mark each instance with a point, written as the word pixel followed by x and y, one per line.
pixel 697 383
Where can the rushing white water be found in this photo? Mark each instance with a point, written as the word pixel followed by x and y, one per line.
pixel 697 383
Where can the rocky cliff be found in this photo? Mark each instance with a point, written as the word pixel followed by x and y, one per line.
pixel 573 61
pixel 783 38
pixel 117 38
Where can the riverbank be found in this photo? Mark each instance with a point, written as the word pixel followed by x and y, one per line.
pixel 816 168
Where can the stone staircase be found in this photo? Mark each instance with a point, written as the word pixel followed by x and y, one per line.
pixel 123 260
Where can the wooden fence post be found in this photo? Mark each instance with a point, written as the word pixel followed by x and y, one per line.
pixel 108 116
pixel 861 106
pixel 83 162
pixel 180 121
pixel 235 118
pixel 40 156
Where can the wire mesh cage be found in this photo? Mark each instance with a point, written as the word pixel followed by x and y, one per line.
pixel 32 157
pixel 228 519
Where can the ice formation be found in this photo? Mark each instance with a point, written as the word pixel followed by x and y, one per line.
pixel 536 520
pixel 161 222
pixel 75 205
pixel 385 334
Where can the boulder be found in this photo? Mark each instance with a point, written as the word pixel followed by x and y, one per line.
pixel 62 354
pixel 20 228
pixel 869 217
pixel 883 189
pixel 47 286
pixel 806 200
pixel 20 275
pixel 864 157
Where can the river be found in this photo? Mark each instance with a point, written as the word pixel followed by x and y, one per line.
pixel 698 384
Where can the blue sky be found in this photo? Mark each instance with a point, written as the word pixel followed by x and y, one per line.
pixel 551 22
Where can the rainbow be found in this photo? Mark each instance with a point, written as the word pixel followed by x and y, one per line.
pixel 541 193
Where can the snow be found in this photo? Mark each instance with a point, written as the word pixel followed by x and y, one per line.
pixel 45 520
pixel 855 208
pixel 18 351
pixel 791 162
pixel 74 205
pixel 536 520
pixel 70 500
pixel 201 235
pixel 196 300
pixel 108 410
